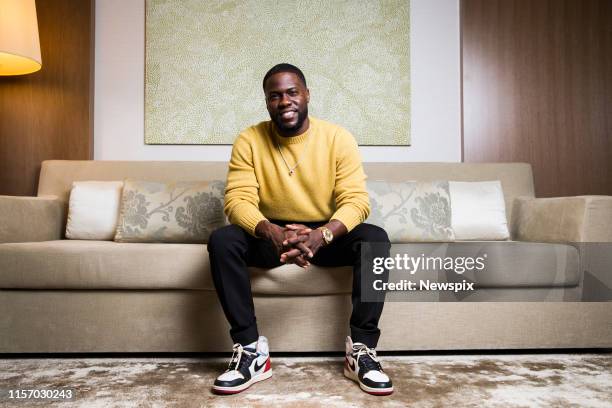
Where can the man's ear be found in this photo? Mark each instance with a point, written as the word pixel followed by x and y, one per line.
pixel 307 95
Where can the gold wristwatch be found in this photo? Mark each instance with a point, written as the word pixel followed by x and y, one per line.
pixel 327 235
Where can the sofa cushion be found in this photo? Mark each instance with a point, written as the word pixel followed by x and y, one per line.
pixel 184 211
pixel 506 264
pixel 513 264
pixel 75 264
pixel 57 176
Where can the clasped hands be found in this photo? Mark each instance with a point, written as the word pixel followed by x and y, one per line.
pixel 294 243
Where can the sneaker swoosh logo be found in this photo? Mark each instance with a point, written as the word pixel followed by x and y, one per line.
pixel 258 367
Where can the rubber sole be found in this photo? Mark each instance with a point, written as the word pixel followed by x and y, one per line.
pixel 242 387
pixel 373 391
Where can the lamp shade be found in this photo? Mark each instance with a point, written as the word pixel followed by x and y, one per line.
pixel 19 44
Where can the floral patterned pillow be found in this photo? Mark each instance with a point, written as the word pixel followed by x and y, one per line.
pixel 170 212
pixel 412 211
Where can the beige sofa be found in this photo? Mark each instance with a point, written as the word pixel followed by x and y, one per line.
pixel 58 295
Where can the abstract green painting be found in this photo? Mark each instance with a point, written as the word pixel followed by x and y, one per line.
pixel 205 61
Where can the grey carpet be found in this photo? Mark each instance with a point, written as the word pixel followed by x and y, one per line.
pixel 546 380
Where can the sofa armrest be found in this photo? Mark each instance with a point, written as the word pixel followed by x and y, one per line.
pixel 563 219
pixel 31 219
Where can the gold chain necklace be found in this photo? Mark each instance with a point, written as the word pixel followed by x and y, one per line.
pixel 292 169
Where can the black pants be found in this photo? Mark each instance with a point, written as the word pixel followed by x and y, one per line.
pixel 232 249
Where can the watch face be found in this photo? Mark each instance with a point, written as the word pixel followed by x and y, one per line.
pixel 327 235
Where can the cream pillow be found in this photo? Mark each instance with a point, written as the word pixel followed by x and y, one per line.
pixel 93 210
pixel 170 212
pixel 479 211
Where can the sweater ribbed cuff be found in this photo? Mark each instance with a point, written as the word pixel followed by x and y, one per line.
pixel 349 216
pixel 248 217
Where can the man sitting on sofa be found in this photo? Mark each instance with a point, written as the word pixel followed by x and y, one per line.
pixel 295 194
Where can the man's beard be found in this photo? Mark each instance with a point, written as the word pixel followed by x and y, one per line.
pixel 302 115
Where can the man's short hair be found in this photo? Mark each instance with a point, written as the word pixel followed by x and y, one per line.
pixel 284 67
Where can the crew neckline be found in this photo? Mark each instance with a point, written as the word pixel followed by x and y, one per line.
pixel 293 139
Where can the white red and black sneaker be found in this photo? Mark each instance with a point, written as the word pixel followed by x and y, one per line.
pixel 362 366
pixel 247 366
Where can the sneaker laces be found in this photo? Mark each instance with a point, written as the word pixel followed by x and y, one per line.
pixel 237 362
pixel 369 360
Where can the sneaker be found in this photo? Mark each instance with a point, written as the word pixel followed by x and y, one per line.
pixel 362 366
pixel 247 366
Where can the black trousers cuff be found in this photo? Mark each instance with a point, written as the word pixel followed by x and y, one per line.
pixel 245 336
pixel 367 337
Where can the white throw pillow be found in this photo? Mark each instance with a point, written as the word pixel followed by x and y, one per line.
pixel 93 209
pixel 479 211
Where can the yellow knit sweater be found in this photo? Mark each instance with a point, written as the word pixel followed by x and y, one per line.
pixel 329 182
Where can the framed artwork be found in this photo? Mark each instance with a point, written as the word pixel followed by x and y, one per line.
pixel 205 61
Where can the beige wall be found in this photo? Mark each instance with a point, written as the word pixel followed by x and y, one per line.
pixel 119 88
